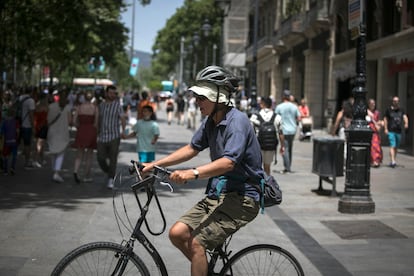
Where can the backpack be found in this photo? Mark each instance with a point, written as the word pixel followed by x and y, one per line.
pixel 396 120
pixel 18 107
pixel 267 134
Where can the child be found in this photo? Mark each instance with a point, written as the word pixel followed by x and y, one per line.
pixel 147 132
pixel 169 103
pixel 10 131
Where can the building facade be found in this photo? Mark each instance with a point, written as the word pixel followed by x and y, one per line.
pixel 235 34
pixel 306 47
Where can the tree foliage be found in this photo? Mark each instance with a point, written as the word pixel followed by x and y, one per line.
pixel 187 21
pixel 60 34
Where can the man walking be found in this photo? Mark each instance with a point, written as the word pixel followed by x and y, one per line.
pixel 27 121
pixel 290 116
pixel 109 136
pixel 395 120
pixel 269 131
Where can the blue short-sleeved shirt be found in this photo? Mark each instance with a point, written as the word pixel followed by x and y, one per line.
pixel 233 138
pixel 289 113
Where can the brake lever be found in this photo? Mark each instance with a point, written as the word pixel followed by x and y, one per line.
pixel 168 185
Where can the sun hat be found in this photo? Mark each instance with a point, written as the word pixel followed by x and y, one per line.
pixel 209 91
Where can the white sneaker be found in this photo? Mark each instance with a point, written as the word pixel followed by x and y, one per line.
pixel 110 183
pixel 57 178
pixel 37 164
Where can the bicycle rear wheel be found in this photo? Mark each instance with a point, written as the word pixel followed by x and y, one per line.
pixel 262 259
pixel 100 258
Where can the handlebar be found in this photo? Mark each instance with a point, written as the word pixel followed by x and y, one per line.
pixel 158 172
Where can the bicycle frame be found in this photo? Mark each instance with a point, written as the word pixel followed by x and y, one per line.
pixel 147 185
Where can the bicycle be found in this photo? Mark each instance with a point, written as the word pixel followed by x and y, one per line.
pixel 108 258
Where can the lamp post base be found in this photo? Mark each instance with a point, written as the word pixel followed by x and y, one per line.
pixel 356 205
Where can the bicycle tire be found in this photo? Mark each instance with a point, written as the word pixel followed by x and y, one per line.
pixel 99 258
pixel 262 259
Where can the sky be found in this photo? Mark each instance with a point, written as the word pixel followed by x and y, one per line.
pixel 149 20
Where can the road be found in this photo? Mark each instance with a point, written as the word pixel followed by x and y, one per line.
pixel 41 220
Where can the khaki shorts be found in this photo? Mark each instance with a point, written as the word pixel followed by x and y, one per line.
pixel 267 156
pixel 212 220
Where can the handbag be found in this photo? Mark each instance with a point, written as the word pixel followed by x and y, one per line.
pixel 270 192
pixel 268 188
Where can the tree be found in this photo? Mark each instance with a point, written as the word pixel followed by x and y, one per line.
pixel 185 22
pixel 60 34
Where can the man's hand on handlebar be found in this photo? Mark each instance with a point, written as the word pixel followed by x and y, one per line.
pixel 182 176
pixel 148 167
pixel 177 176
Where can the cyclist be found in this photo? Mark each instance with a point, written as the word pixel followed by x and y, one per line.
pixel 236 163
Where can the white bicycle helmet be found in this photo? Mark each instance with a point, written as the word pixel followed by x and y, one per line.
pixel 220 77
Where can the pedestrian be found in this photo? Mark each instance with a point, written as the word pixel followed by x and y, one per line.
pixel 244 104
pixel 236 163
pixel 111 117
pixel 180 109
pixel 305 122
pixel 290 117
pixel 145 100
pixel 26 125
pixel 169 108
pixel 303 109
pixel 86 122
pixel 127 104
pixel 375 123
pixel 59 118
pixel 6 104
pixel 269 136
pixel 293 100
pixel 41 128
pixel 191 111
pixel 9 130
pixel 343 119
pixel 146 131
pixel 395 121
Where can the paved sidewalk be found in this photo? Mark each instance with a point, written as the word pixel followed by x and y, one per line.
pixel 41 220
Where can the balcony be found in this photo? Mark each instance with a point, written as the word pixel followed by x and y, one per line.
pixel 264 46
pixel 316 20
pixel 291 30
pixel 305 25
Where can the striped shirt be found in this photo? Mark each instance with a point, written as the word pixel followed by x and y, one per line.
pixel 109 121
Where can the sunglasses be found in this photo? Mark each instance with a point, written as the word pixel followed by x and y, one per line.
pixel 200 98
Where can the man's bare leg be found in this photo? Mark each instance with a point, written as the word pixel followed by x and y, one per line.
pixel 180 236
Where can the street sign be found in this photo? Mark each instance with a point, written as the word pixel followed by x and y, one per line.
pixel 354 13
pixel 355 33
pixel 134 66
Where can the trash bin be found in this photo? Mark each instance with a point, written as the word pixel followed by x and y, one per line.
pixel 328 160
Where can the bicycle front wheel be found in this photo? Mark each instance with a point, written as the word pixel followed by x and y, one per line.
pixel 100 258
pixel 262 259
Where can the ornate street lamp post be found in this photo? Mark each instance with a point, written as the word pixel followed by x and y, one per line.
pixel 206 30
pixel 182 54
pixel 225 6
pixel 196 40
pixel 189 62
pixel 357 198
pixel 253 88
pixel 214 53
